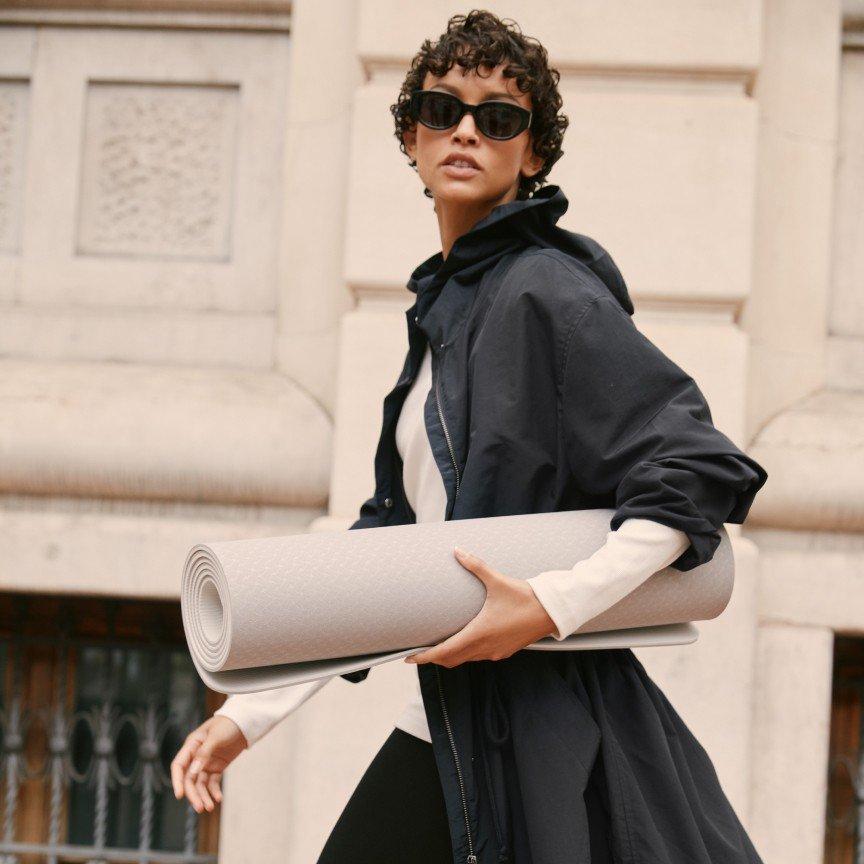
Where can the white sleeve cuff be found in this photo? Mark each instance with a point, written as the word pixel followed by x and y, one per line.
pixel 632 553
pixel 257 713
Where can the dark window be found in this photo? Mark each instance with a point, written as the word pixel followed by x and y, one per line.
pixel 844 822
pixel 96 697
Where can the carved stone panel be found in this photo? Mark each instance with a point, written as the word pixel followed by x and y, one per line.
pixel 158 172
pixel 13 129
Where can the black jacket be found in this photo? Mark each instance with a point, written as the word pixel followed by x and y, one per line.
pixel 546 397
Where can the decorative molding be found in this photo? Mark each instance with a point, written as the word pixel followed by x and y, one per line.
pixel 691 80
pixel 162 433
pixel 813 452
pixel 853 15
pixel 164 16
pixel 247 7
pixel 14 105
pixel 853 24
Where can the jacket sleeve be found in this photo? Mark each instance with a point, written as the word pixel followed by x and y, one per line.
pixel 368 519
pixel 636 426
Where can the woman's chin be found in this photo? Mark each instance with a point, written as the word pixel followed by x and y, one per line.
pixel 462 191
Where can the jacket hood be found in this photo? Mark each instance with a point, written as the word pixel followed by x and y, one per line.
pixel 530 222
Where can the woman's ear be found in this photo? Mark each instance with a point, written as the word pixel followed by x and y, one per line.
pixel 532 163
pixel 409 138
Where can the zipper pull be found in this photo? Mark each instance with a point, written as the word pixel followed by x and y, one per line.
pixel 472 859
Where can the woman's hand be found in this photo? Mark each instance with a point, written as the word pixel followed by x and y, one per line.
pixel 214 745
pixel 511 618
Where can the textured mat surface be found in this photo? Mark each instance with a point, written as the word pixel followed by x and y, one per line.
pixel 270 612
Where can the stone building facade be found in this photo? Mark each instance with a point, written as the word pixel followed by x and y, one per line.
pixel 206 227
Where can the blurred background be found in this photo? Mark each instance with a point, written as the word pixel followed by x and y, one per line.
pixel 206 228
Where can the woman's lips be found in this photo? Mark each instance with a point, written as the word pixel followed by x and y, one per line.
pixel 459 171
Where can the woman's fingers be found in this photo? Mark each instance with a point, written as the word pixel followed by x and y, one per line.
pixel 192 793
pixel 181 761
pixel 201 786
pixel 196 770
pixel 213 785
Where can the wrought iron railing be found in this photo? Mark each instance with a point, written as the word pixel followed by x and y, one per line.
pixel 844 811
pixel 96 697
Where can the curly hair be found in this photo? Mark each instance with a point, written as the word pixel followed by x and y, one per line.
pixel 481 39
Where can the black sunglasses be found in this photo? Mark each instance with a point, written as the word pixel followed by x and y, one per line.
pixel 498 120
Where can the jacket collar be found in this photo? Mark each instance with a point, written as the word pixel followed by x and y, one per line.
pixel 499 226
pixel 505 229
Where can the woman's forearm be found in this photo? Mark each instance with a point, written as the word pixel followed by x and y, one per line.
pixel 632 553
pixel 257 713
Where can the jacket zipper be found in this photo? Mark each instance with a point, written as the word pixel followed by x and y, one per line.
pixel 446 431
pixel 472 858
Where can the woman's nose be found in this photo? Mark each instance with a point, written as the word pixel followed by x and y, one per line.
pixel 465 129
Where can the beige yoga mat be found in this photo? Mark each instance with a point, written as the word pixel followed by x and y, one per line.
pixel 276 611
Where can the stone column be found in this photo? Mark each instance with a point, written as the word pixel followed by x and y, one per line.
pixel 790 742
pixel 797 92
pixel 323 77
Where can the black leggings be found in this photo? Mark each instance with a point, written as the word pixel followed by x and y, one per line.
pixel 396 813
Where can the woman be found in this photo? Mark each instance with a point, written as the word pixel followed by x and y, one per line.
pixel 521 344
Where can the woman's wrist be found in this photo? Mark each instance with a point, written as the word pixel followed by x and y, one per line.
pixel 257 713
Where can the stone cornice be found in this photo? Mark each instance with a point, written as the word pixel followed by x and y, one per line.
pixel 119 430
pixel 268 15
pixel 813 452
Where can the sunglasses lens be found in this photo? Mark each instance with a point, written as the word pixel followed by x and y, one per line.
pixel 499 120
pixel 438 110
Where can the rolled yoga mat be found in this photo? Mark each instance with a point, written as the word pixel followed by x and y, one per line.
pixel 276 611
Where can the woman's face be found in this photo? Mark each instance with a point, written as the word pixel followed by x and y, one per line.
pixel 500 162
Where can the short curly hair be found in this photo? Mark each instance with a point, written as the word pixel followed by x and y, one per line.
pixel 481 39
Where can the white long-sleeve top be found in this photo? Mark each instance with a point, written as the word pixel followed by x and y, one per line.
pixel 639 548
